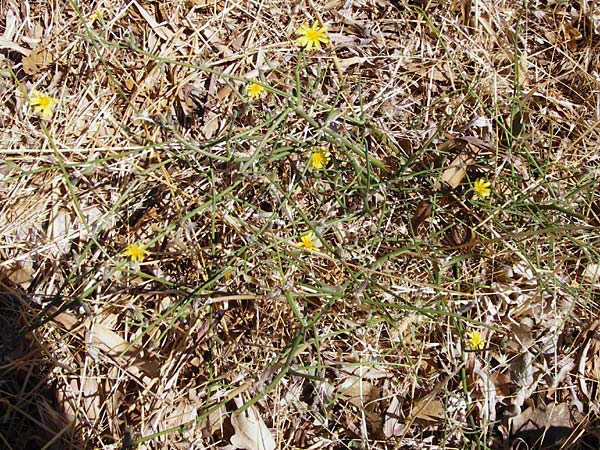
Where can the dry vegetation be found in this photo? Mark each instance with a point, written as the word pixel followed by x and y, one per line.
pixel 362 343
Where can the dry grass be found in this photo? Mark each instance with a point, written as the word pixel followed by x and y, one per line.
pixel 362 343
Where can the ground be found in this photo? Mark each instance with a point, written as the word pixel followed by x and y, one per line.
pixel 312 224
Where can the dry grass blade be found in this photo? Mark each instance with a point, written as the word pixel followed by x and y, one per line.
pixel 215 235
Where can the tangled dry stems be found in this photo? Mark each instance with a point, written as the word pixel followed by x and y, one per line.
pixel 360 343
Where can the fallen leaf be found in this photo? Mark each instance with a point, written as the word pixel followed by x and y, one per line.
pixel 428 410
pixel 37 60
pixel 357 391
pixel 80 395
pixel 13 46
pixel 542 425
pixel 592 273
pixel 422 213
pixel 107 342
pixel 251 433
pixel 394 425
pixel 589 358
pixel 457 170
pixel 467 147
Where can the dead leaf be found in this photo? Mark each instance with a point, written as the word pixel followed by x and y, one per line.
pixel 467 147
pixel 251 433
pixel 107 342
pixel 428 409
pixel 356 391
pixel 502 383
pixel 162 31
pixel 589 358
pixel 394 425
pixel 440 71
pixel 80 395
pixel 542 425
pixel 422 213
pixel 13 46
pixel 37 60
pixel 454 174
pixel 592 274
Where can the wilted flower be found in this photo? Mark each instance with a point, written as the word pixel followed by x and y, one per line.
pixel 135 252
pixel 43 105
pixel 310 37
pixel 475 341
pixel 482 187
pixel 319 158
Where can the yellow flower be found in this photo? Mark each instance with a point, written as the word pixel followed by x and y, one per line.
pixel 319 158
pixel 43 105
pixel 475 341
pixel 309 241
pixel 98 14
pixel 255 91
pixel 310 37
pixel 135 252
pixel 482 187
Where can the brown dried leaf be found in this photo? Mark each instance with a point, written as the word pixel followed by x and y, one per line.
pixel 13 46
pixel 454 174
pixel 441 71
pixel 591 352
pixel 543 424
pixel 251 433
pixel 468 148
pixel 591 274
pixel 109 343
pixel 428 409
pixel 37 60
pixel 80 395
pixel 422 213
pixel 394 425
pixel 356 391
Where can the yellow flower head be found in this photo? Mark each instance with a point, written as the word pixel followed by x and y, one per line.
pixel 482 187
pixel 98 14
pixel 310 37
pixel 135 252
pixel 309 241
pixel 475 341
pixel 43 105
pixel 255 91
pixel 319 158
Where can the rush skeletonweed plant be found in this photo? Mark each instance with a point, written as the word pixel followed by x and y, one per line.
pixel 319 159
pixel 309 241
pixel 475 341
pixel 135 252
pixel 43 105
pixel 255 91
pixel 482 187
pixel 312 37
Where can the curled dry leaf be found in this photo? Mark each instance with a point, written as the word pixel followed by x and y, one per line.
pixel 251 433
pixel 37 60
pixel 107 342
pixel 454 174
pixel 543 424
pixel 468 148
pixel 13 46
pixel 394 424
pixel 589 358
pixel 592 273
pixel 422 213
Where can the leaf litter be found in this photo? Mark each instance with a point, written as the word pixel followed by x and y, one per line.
pixel 362 343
